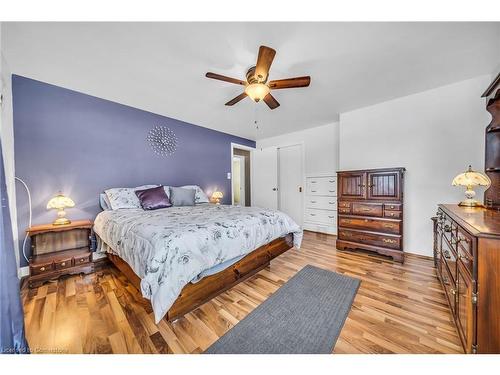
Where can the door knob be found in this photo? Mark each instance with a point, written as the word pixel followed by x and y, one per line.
pixel 275 189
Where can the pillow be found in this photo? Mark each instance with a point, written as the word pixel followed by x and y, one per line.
pixel 153 199
pixel 125 197
pixel 104 202
pixel 182 196
pixel 200 196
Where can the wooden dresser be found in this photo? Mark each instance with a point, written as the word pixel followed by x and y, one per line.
pixel 370 211
pixel 467 255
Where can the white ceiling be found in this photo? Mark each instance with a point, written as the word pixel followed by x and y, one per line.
pixel 160 67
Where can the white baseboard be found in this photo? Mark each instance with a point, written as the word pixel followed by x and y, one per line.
pixel 320 228
pixel 23 272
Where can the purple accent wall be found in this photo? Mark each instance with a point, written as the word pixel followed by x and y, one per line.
pixel 79 144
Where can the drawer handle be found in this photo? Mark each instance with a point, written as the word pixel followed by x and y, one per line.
pixel 331 180
pixel 387 240
pixel 366 209
pixel 446 254
pixel 346 234
pixel 331 202
pixel 389 226
pixel 313 201
pixel 82 260
pixel 347 221
pixel 391 207
pixel 447 228
pixel 63 264
pixel 331 191
pixel 313 191
pixel 313 182
pixel 331 217
pixel 393 214
pixel 42 269
pixel 312 214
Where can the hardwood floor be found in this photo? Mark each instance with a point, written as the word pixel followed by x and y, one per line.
pixel 398 308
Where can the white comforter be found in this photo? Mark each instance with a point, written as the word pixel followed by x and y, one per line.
pixel 169 247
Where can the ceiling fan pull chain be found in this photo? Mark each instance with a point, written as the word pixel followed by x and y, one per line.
pixel 256 122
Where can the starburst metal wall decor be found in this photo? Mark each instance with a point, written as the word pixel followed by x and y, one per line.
pixel 162 140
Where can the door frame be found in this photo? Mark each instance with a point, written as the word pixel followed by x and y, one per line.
pixel 251 150
pixel 303 177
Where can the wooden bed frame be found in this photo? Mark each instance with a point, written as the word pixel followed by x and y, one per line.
pixel 194 295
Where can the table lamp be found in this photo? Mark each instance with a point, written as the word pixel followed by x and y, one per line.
pixel 59 203
pixel 217 196
pixel 469 179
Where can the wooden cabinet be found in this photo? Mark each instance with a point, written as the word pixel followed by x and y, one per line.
pixel 383 185
pixel 467 258
pixel 60 250
pixel 370 211
pixel 352 185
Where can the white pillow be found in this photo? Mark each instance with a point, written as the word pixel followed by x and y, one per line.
pixel 125 197
pixel 199 196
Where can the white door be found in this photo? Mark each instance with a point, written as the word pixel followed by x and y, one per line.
pixel 239 182
pixel 242 163
pixel 265 178
pixel 290 180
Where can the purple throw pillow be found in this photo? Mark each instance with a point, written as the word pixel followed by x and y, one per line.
pixel 153 199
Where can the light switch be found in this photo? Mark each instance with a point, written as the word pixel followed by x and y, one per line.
pixel 228 175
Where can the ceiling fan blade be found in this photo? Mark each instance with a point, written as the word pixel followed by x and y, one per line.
pixel 264 61
pixel 224 78
pixel 271 101
pixel 237 99
pixel 289 83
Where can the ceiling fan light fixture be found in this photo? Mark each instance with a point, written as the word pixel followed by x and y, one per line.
pixel 257 91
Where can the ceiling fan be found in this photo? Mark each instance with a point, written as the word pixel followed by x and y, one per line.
pixel 256 85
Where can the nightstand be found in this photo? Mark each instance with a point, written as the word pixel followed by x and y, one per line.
pixel 60 250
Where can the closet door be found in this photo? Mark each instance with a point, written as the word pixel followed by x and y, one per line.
pixel 290 180
pixel 265 178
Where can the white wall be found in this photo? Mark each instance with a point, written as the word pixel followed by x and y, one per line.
pixel 7 135
pixel 435 134
pixel 320 147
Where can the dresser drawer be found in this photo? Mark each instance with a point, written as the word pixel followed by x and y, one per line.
pixel 320 216
pixel 323 186
pixel 393 214
pixel 344 204
pixel 38 269
pixel 375 225
pixel 367 209
pixel 389 241
pixel 464 241
pixel 393 206
pixel 325 203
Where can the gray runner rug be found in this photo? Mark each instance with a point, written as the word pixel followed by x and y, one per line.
pixel 304 316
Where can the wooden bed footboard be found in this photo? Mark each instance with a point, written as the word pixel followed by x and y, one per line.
pixel 194 295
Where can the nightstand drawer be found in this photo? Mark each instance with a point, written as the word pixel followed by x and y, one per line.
pixel 61 264
pixel 82 259
pixel 38 269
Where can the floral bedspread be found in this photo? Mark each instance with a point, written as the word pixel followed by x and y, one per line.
pixel 168 248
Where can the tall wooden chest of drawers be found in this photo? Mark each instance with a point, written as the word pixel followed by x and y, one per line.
pixel 370 211
pixel 467 258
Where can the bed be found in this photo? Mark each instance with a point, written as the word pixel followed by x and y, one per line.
pixel 180 257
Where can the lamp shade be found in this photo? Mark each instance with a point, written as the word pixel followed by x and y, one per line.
pixel 257 91
pixel 60 201
pixel 217 195
pixel 471 178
